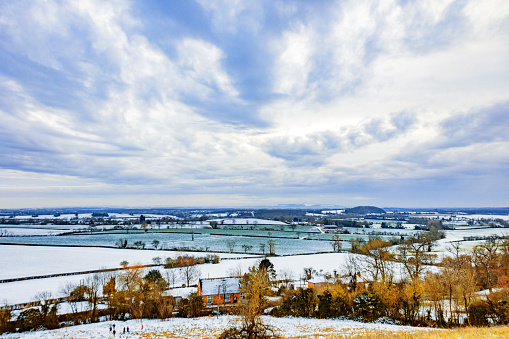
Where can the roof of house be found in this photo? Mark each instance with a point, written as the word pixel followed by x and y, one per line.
pixel 318 279
pixel 220 285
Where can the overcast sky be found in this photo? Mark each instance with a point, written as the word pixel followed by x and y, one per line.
pixel 249 103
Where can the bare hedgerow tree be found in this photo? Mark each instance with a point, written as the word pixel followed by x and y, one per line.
pixel 236 271
pixel 157 260
pixel 247 247
pixel 262 247
pixel 189 273
pixel 272 247
pixel 231 245
pixel 155 243
pixel 93 286
pixel 171 276
pixel 285 276
pixel 377 261
pixel 351 270
pixel 336 243
pixel 73 295
pixel 255 286
pixel 414 256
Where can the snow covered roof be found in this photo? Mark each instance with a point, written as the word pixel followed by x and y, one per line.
pixel 221 285
pixel 318 280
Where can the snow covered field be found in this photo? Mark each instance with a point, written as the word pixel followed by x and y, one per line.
pixel 23 232
pixel 25 261
pixel 206 327
pixel 457 235
pixel 25 291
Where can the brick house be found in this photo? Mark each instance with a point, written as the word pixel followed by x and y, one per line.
pixel 223 291
pixel 319 281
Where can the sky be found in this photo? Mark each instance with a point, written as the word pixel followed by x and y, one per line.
pixel 254 103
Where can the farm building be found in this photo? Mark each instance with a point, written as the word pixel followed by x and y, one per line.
pixel 220 290
pixel 319 281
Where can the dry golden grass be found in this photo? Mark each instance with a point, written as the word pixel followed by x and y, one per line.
pixel 330 333
pixel 463 333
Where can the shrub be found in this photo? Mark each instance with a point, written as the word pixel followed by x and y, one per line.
pixel 29 319
pixel 190 307
pixel 478 313
pixel 368 306
pixel 258 331
pixel 5 320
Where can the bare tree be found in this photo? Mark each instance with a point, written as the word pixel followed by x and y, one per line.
pixel 352 270
pixel 157 260
pixel 413 254
pixel 485 257
pixel 272 247
pixel 377 260
pixel 336 243
pixel 189 273
pixel 171 276
pixel 285 275
pixel 155 243
pixel 255 285
pixel 231 245
pixel 235 271
pixel 262 248
pixel 67 290
pixel 247 247
pixel 46 300
pixel 93 286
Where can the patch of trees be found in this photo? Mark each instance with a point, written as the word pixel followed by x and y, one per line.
pixel 363 210
pixel 418 220
pixel 368 290
pixel 100 215
pixel 285 214
pixel 434 224
pixel 344 222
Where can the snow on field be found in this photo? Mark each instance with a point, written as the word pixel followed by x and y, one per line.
pixel 11 232
pixel 25 261
pixel 457 235
pixel 207 327
pixel 25 291
pixel 44 227
pixel 487 216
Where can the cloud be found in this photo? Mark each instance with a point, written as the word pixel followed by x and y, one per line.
pixel 478 126
pixel 294 63
pixel 230 16
pixel 201 61
pixel 319 146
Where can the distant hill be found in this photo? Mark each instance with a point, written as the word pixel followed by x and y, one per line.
pixel 365 210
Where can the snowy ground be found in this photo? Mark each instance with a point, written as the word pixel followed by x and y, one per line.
pixel 209 327
pixel 26 261
pixel 291 267
pixel 457 235
pixel 46 227
pixel 10 232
